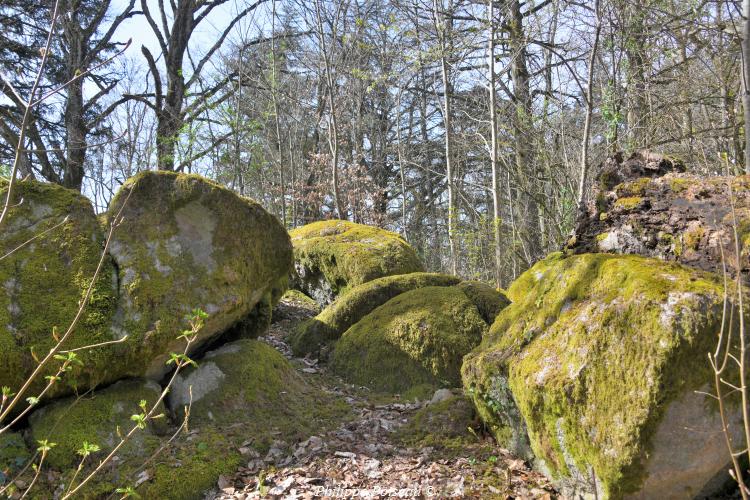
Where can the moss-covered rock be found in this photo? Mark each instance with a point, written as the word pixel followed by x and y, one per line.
pixel 359 301
pixel 14 455
pixel 333 256
pixel 100 419
pixel 249 382
pixel 595 366
pixel 443 425
pixel 489 300
pixel 186 470
pixel 300 300
pixel 412 344
pixel 43 282
pixel 184 243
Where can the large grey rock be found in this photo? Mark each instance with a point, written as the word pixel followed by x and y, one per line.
pixel 186 243
pixel 593 369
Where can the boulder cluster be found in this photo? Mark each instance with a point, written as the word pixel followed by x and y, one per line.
pixel 592 365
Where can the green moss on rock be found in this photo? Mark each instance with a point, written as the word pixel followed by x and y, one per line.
pixel 299 299
pixel 333 256
pixel 629 202
pixel 251 383
pixel 361 300
pixel 14 455
pixel 100 419
pixel 43 282
pixel 412 344
pixel 489 300
pixel 190 468
pixel 184 243
pixel 444 425
pixel 588 358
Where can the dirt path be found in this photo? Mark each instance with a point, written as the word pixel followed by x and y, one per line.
pixel 383 451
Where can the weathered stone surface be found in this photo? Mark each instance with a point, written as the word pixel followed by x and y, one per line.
pixel 43 281
pixel 616 169
pixel 185 243
pixel 594 367
pixel 333 256
pixel 412 344
pixel 676 217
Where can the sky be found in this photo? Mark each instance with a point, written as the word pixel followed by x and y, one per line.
pixel 205 35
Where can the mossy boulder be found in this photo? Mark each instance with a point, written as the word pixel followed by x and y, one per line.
pixel 183 242
pixel 594 367
pixel 14 455
pixel 359 301
pixel 249 382
pixel 489 301
pixel 44 280
pixel 99 418
pixel 443 425
pixel 300 300
pixel 333 256
pixel 412 344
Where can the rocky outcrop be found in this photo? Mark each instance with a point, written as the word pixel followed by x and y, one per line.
pixel 412 344
pixel 317 333
pixel 645 206
pixel 184 243
pixel 51 243
pixel 334 256
pixel 592 371
pixel 180 243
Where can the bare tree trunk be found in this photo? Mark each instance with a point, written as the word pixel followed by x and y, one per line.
pixel 522 125
pixel 746 78
pixel 274 99
pixel 496 220
pixel 589 109
pixel 442 27
pixel 333 133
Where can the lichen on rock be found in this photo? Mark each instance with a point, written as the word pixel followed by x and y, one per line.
pixel 185 243
pixel 590 359
pixel 333 256
pixel 43 282
pixel 412 344
pixel 351 307
pixel 645 205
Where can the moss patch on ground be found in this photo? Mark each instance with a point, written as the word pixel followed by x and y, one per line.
pixel 43 282
pixel 412 344
pixel 361 300
pixel 336 255
pixel 633 329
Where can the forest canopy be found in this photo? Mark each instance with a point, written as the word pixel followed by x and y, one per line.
pixel 470 127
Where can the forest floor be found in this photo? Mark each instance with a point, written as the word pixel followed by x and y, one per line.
pixel 368 456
